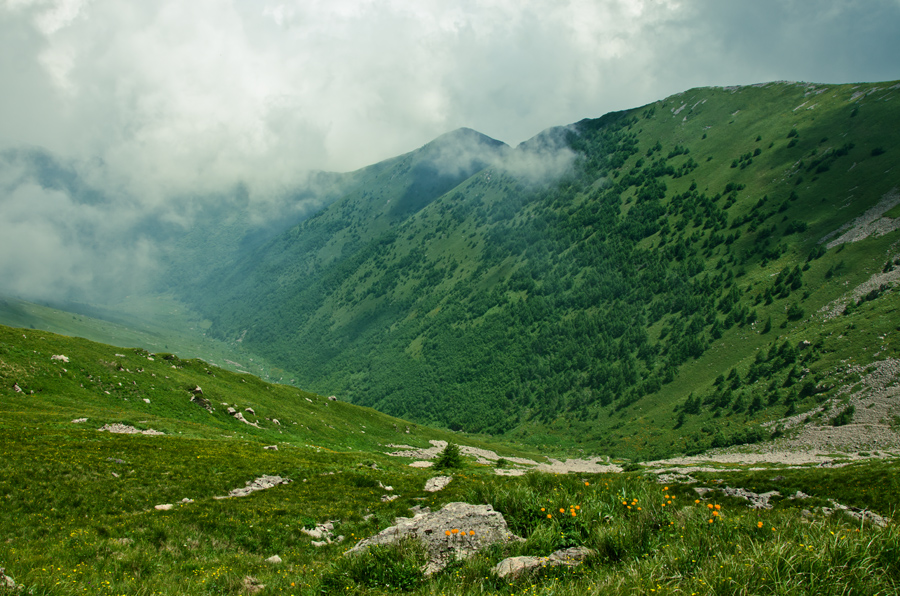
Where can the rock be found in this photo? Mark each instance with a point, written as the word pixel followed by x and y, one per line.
pixel 456 532
pixel 6 581
pixel 164 507
pixel 124 429
pixel 202 401
pixel 261 483
pixel 319 543
pixel 421 464
pixel 60 357
pixel 197 391
pixel 387 488
pixel 275 422
pixel 513 567
pixel 146 401
pixel 186 500
pixel 16 388
pixel 79 420
pixel 757 501
pixel 389 498
pixel 251 585
pixel 240 417
pixel 231 411
pixel 862 515
pixel 271 447
pixel 332 398
pixel 437 483
pixel 274 559
pixel 321 531
pixel 250 411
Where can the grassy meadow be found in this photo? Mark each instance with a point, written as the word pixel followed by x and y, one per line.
pixel 79 516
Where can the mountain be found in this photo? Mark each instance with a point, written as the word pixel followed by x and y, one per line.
pixel 655 280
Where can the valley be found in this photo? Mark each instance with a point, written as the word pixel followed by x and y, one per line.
pixel 597 305
pixel 656 351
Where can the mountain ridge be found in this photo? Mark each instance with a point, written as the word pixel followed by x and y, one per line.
pixel 590 289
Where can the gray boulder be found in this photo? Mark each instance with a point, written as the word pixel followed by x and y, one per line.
pixel 261 483
pixel 6 581
pixel 437 483
pixel 515 566
pixel 456 532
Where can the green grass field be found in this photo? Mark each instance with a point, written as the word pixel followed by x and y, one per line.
pixel 79 512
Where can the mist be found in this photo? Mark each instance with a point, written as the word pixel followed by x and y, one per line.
pixel 127 126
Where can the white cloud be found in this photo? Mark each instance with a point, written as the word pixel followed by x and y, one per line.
pixel 159 100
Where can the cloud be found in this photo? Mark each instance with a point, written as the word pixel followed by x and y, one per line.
pixel 186 92
pixel 64 243
pixel 158 103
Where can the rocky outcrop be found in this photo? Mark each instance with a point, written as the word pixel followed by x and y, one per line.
pixel 7 582
pixel 756 500
pixel 261 483
pixel 456 532
pixel 197 398
pixel 437 483
pixel 323 533
pixel 251 585
pixel 513 567
pixel 240 417
pixel 861 515
pixel 124 429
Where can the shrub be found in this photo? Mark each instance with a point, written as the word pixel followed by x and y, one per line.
pixel 795 312
pixel 845 417
pixel 450 457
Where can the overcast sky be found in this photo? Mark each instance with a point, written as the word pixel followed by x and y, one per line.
pixel 152 100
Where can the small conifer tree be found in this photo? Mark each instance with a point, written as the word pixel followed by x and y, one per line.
pixel 450 457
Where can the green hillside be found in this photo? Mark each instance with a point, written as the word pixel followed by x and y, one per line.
pixel 692 238
pixel 93 512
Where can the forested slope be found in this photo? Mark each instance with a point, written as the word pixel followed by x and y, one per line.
pixel 596 281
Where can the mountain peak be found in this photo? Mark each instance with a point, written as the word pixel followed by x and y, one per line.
pixel 466 136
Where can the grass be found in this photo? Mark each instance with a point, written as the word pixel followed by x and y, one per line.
pixel 158 323
pixel 91 532
pixel 79 512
